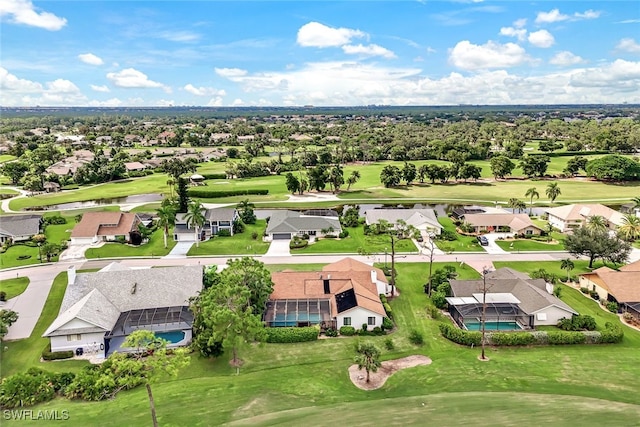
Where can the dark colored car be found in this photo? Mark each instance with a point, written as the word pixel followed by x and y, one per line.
pixel 483 241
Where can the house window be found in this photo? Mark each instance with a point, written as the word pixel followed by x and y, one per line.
pixel 347 321
pixel 224 224
pixel 371 321
pixel 529 231
pixel 74 337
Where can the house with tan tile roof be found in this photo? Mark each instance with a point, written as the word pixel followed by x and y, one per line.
pixel 621 286
pixel 104 226
pixel 568 217
pixel 502 222
pixel 334 297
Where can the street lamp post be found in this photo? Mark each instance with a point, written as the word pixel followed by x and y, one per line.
pixel 385 258
pixel 40 251
pixel 485 271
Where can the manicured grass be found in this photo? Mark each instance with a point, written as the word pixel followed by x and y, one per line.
pixel 533 245
pixel 155 247
pixel 555 384
pixel 296 267
pixel 14 287
pixel 242 243
pixel 461 244
pixel 4 190
pixel 17 356
pixel 6 158
pixel 356 241
pixel 55 234
pixel 580 266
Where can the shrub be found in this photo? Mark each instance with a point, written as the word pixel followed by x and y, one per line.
pixel 330 332
pixel 585 322
pixel 214 176
pixel 364 327
pixel 212 194
pixel 26 388
pixel 289 335
pixel 23 257
pixel 347 331
pixel 388 310
pixel 415 337
pixel 254 235
pixel 612 334
pixel 439 299
pixel 57 355
pixel 100 382
pixel 3 296
pixel 459 336
pixel 584 290
pixel 343 234
pixel 612 306
pixel 378 331
pixel 434 312
pixel 387 324
pixel 448 235
pixel 562 337
pixel 55 219
pixel 225 233
pixel 298 243
pixel 511 339
pixel 594 295
pixel 388 344
pixel 626 316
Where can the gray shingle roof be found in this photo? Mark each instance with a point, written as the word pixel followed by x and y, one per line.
pixel 220 214
pixel 284 221
pixel 20 225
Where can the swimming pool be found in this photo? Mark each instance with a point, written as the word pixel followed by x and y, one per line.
pixel 493 326
pixel 292 319
pixel 173 336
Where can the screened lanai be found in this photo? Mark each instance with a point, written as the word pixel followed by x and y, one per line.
pixel 154 319
pixel 500 313
pixel 298 312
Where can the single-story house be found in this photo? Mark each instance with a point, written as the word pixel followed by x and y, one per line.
pixel 350 264
pixel 285 224
pixel 514 301
pixel 621 286
pixel 568 217
pixel 99 310
pixel 51 187
pixel 134 166
pixel 460 212
pixel 502 222
pixel 104 226
pixel 424 220
pixel 328 298
pixel 18 228
pixel 215 220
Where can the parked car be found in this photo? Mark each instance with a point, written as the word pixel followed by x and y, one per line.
pixel 483 241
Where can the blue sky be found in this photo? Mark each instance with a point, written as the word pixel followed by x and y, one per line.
pixel 225 53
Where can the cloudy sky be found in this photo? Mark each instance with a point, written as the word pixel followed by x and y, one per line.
pixel 226 53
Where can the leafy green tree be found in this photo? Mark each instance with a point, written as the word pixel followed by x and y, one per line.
pixel 368 357
pixel 336 178
pixel 195 218
pixel 613 167
pixel 534 165
pixel 501 166
pixel 575 164
pixel 353 178
pixel 390 176
pixel 531 193
pixel 251 274
pixel 567 264
pixel 49 250
pixel 15 170
pixel 553 191
pixel 350 218
pixel 409 172
pixel 293 184
pixel 166 219
pixel 318 177
pixel 597 244
pixel 247 214
pixel 152 359
pixel 423 172
pixel 7 318
pixel 395 231
pixel 469 171
pixel 183 196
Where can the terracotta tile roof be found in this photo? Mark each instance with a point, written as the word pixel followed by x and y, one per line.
pixel 576 211
pixel 624 285
pixel 105 224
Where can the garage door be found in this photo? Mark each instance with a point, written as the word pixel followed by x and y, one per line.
pixel 281 236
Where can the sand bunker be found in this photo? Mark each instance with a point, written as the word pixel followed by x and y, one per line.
pixel 388 368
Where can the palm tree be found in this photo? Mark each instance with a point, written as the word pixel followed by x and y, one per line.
pixel 567 264
pixel 166 219
pixel 553 191
pixel 596 223
pixel 531 193
pixel 630 227
pixel 368 358
pixel 170 183
pixel 195 218
pixel 353 178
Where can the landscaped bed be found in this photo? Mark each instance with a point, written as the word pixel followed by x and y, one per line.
pixel 239 243
pixel 533 244
pixel 154 247
pixel 389 367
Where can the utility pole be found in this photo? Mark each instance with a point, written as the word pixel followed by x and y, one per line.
pixel 485 271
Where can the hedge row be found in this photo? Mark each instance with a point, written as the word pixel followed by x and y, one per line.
pixel 288 335
pixel 57 355
pixel 611 335
pixel 214 175
pixel 212 194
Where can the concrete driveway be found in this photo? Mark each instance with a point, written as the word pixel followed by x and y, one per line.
pixel 279 248
pixel 180 250
pixel 76 252
pixel 493 248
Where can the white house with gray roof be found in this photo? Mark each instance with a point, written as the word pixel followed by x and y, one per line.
pixel 19 228
pixel 100 309
pixel 285 224
pixel 424 220
pixel 216 220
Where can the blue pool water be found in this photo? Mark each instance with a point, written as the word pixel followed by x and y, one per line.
pixel 493 326
pixel 173 336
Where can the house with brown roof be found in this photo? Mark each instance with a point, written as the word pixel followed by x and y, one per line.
pixel 568 217
pixel 342 294
pixel 621 286
pixel 104 226
pixel 502 222
pixel 134 166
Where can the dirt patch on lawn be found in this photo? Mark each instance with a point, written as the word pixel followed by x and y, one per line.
pixel 377 379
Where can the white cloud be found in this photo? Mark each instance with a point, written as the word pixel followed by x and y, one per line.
pixel 21 92
pixel 629 21
pixel 11 83
pixel 588 14
pixel 230 73
pixel 102 88
pixel 315 34
pixel 203 91
pixel 469 56
pixel 215 102
pixel 620 75
pixel 90 58
pixel 237 102
pixel 179 36
pixel 550 17
pixel 565 58
pixel 520 33
pixel 520 23
pixel 542 38
pixel 25 13
pixel 132 78
pixel 165 103
pixel 368 50
pixel 628 45
pixel 113 102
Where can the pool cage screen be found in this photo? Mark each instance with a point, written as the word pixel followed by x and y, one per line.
pixel 298 312
pixel 495 312
pixel 153 319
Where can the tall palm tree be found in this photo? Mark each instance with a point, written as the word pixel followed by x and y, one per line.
pixel 531 193
pixel 596 223
pixel 166 219
pixel 171 182
pixel 553 191
pixel 567 264
pixel 195 218
pixel 353 178
pixel 368 357
pixel 630 227
pixel 515 204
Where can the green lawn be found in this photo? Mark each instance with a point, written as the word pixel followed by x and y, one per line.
pixel 355 241
pixel 580 266
pixel 155 247
pixel 14 287
pixel 6 158
pixel 461 244
pixel 242 243
pixel 291 384
pixel 16 356
pixel 518 245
